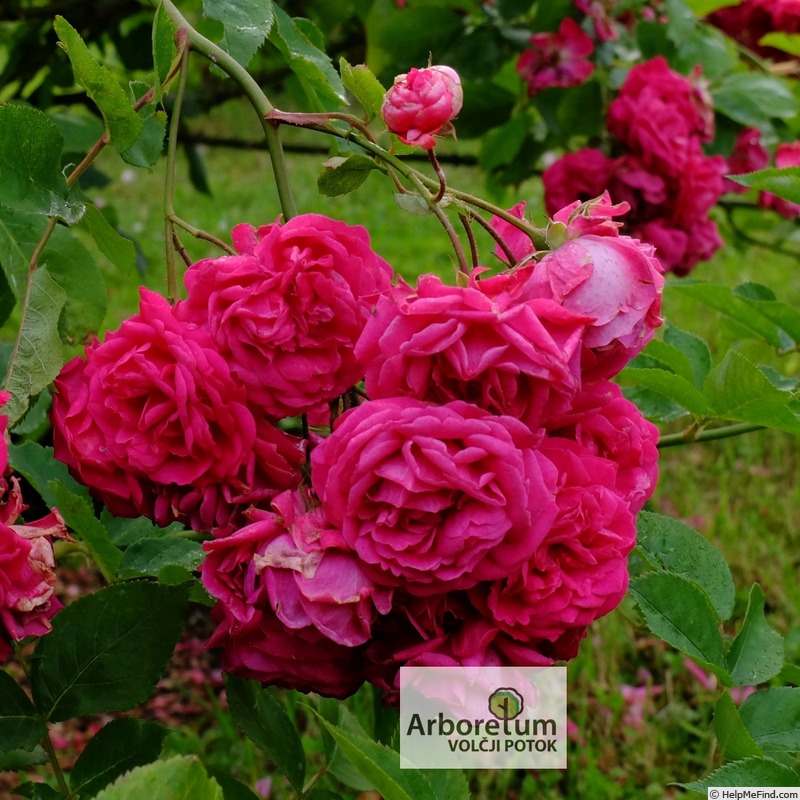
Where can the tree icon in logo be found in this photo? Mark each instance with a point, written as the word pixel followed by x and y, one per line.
pixel 506 703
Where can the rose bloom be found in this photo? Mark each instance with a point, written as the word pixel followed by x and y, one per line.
pixel 605 424
pixel 287 312
pixel 748 155
pixel 749 21
pixel 581 175
pixel 786 155
pixel 154 410
pixel 601 12
pixel 557 59
pixel 434 496
pixel 580 571
pixel 421 105
pixel 442 343
pixel 657 112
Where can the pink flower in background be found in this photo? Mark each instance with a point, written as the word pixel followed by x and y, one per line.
pixel 750 20
pixel 434 497
pixel 442 343
pixel 748 155
pixel 786 155
pixel 557 59
pixel 516 240
pixel 581 175
pixel 601 14
pixel 579 572
pixel 638 700
pixel 421 105
pixel 286 314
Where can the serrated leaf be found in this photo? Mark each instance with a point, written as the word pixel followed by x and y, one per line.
pixel 150 555
pixel 122 123
pixel 30 165
pixel 13 760
pixel 38 791
pixel 36 421
pixel 40 355
pixel 763 300
pixel 694 348
pixel 670 385
pixel 773 718
pixel 118 747
pixel 80 518
pixel 163 47
pixel 19 235
pixel 734 740
pixel 247 24
pixel 149 146
pixel 736 389
pixel 107 650
pixel 678 611
pixel 38 466
pixel 781 181
pixel 673 546
pixel 344 175
pixel 231 788
pixel 20 725
pixel 669 357
pixel 338 766
pixel 754 98
pixel 753 771
pixel 364 86
pixel 655 406
pixel 177 778
pixel 111 243
pixel 264 720
pixel 124 532
pixel 756 654
pixel 312 66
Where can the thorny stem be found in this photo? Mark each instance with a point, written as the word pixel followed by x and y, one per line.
pixel 473 245
pixel 173 291
pixel 254 94
pixel 495 235
pixel 691 434
pixel 198 233
pixel 439 174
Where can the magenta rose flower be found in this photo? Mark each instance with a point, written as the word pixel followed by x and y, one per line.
pixel 286 314
pixel 748 155
pixel 786 155
pixel 154 409
pixel 607 425
pixel 434 496
pixel 421 105
pixel 617 282
pixel 557 59
pixel 579 572
pixel 581 175
pixel 442 343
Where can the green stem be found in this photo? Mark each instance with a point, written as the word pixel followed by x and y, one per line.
pixel 199 233
pixel 254 94
pixel 708 435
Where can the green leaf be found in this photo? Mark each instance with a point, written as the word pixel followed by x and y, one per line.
pixel 734 740
pixel 36 422
pixel 80 518
pixel 19 234
pixel 736 389
pixel 703 7
pixel 147 149
pixel 754 98
pixel 314 69
pixel 678 611
pixel 675 547
pixel 655 406
pixel 30 165
pixel 381 766
pixel 149 556
pixel 38 791
pixel 178 778
pixel 20 725
pixel 231 788
pixel 669 357
pixel 163 47
pixel 694 348
pixel 763 300
pixel 120 746
pixel 263 719
pixel 501 145
pixel 73 268
pixel 13 760
pixel 107 650
pixel 338 714
pixel 788 42
pixel 448 784
pixel 783 182
pixel 122 123
pixel 344 175
pixel 756 654
pixel 753 771
pixel 364 86
pixel 670 385
pixel 113 245
pixel 247 24
pixel 7 299
pixel 38 466
pixel 773 718
pixel 413 203
pixel 40 355
pixel 124 532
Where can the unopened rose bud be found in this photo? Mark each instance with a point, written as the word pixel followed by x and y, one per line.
pixel 421 104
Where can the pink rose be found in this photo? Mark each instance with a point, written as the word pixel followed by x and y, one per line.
pixel 442 343
pixel 594 216
pixel 601 13
pixel 154 409
pixel 434 497
pixel 749 21
pixel 607 425
pixel 421 105
pixel 286 313
pixel 516 240
pixel 580 571
pixel 786 155
pixel 748 155
pixel 557 59
pixel 576 176
pixel 614 280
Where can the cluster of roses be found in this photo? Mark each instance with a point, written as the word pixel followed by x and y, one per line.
pixel 27 573
pixel 658 121
pixel 477 509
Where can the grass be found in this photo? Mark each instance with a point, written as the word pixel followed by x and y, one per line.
pixel 741 493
